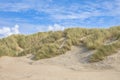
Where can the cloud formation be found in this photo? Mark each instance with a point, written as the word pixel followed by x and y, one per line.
pixel 7 31
pixel 75 10
pixel 39 14
pixel 56 27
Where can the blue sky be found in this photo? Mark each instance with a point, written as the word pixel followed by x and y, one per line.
pixel 30 16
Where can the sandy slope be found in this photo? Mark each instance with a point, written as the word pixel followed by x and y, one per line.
pixel 70 66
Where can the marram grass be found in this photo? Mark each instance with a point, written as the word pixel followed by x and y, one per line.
pixel 50 44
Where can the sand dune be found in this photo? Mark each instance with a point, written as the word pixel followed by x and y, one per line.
pixel 70 66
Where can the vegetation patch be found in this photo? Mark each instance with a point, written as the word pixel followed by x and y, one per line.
pixel 104 51
pixel 49 44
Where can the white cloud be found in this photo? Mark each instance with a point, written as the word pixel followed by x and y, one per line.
pixel 62 13
pixel 16 7
pixel 56 27
pixel 15 30
pixel 7 31
pixel 109 8
pixel 73 15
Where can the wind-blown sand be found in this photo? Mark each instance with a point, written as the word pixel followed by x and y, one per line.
pixel 70 66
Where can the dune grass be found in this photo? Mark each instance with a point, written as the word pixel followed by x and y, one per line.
pixel 104 51
pixel 50 44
